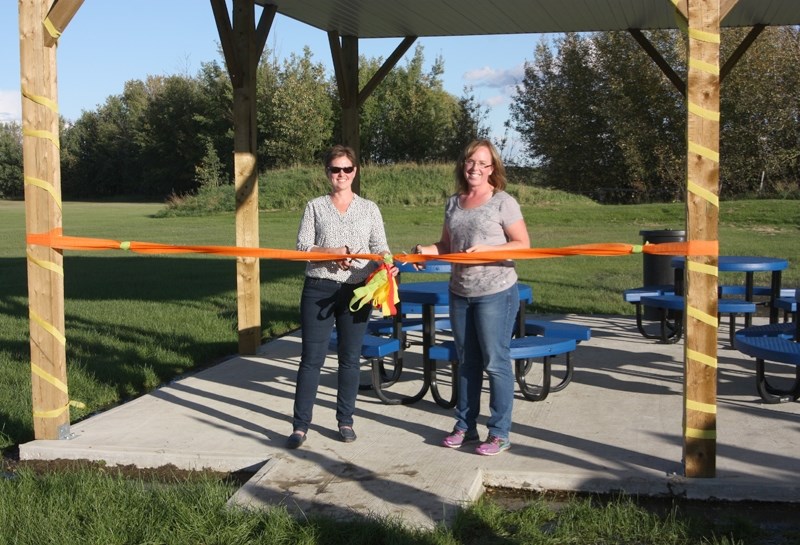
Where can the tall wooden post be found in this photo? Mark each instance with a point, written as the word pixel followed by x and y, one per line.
pixel 344 54
pixel 351 133
pixel 42 173
pixel 245 164
pixel 702 217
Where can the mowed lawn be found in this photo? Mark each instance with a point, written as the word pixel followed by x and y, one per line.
pixel 136 321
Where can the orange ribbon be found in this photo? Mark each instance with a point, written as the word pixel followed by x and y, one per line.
pixel 691 248
pixel 55 239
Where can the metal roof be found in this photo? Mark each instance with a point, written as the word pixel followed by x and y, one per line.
pixel 396 18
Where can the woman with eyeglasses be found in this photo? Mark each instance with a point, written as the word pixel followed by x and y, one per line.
pixel 343 223
pixel 482 217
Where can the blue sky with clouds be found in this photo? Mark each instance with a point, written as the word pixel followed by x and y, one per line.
pixel 108 43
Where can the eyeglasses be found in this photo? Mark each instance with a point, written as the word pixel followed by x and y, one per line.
pixel 480 164
pixel 337 170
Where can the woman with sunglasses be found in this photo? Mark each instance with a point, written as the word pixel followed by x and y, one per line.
pixel 482 217
pixel 343 223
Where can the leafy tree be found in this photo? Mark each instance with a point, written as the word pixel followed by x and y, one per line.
pixel 299 122
pixel 215 120
pixel 170 135
pixel 595 112
pixel 173 147
pixel 100 152
pixel 556 112
pixel 469 123
pixel 409 116
pixel 646 114
pixel 11 173
pixel 760 105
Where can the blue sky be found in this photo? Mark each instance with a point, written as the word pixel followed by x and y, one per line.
pixel 108 43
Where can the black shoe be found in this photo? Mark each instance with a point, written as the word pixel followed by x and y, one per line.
pixel 347 434
pixel 295 440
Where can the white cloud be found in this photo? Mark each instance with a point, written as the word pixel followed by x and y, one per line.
pixel 491 77
pixel 496 100
pixel 10 106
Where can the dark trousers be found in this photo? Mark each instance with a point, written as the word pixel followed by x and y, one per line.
pixel 326 303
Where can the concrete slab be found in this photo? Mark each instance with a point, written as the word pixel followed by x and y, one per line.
pixel 616 427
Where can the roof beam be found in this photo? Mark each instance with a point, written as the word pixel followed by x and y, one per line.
pixel 676 80
pixel 743 47
pixel 384 70
pixel 338 63
pixel 225 30
pixel 58 18
pixel 725 7
pixel 264 26
pixel 682 6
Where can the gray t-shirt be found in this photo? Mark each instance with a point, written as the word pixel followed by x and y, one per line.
pixel 482 225
pixel 360 228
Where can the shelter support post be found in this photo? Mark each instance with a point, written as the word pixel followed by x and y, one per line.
pixel 344 53
pixel 242 44
pixel 43 213
pixel 702 218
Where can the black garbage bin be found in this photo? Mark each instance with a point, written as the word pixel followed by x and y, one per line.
pixel 656 269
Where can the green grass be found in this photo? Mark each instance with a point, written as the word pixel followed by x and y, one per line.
pixel 133 322
pixel 90 506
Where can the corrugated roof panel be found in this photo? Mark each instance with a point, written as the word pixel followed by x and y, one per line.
pixel 396 18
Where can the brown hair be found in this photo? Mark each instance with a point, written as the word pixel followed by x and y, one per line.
pixel 340 151
pixel 498 176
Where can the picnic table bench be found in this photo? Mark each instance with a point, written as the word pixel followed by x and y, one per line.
pixel 634 296
pixel 523 351
pixel 671 332
pixel 374 349
pixel 774 343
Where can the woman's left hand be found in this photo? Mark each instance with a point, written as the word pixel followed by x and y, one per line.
pixel 393 270
pixel 344 264
pixel 479 248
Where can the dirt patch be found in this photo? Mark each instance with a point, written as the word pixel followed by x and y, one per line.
pixel 774 523
pixel 11 463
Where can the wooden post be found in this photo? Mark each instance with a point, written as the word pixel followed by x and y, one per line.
pixel 351 133
pixel 242 44
pixel 702 217
pixel 42 177
pixel 344 54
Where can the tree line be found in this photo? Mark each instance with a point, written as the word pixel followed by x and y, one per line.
pixel 172 134
pixel 597 116
pixel 594 114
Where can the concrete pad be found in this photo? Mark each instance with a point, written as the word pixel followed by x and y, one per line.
pixel 617 427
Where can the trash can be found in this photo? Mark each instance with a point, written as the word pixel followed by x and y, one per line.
pixel 656 269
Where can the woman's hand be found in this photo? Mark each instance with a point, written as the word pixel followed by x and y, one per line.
pixel 393 270
pixel 344 264
pixel 479 248
pixel 417 249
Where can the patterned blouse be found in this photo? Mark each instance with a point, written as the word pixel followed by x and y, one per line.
pixel 360 228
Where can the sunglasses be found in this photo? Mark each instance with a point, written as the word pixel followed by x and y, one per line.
pixel 337 170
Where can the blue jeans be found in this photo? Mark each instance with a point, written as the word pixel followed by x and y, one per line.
pixel 323 304
pixel 482 328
